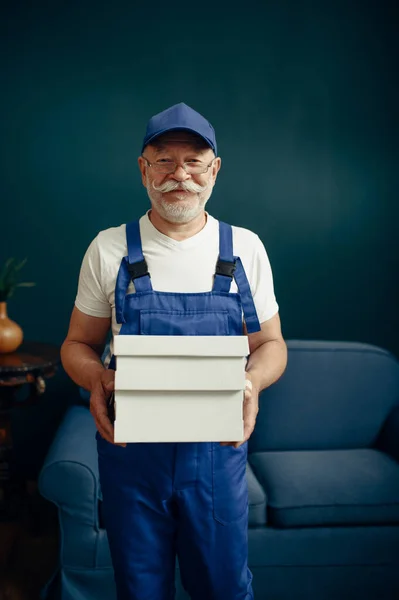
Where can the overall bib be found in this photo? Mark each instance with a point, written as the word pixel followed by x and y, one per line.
pixel 186 499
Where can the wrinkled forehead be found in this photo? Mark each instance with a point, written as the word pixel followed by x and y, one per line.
pixel 178 138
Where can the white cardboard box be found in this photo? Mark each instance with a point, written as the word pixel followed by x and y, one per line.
pixel 179 388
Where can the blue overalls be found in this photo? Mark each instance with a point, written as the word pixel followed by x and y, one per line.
pixel 186 499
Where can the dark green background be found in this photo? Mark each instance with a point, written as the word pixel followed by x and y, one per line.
pixel 304 99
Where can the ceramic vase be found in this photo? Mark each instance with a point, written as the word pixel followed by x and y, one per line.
pixel 11 334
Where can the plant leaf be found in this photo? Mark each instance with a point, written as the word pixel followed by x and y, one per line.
pixel 8 266
pixel 8 277
pixel 8 263
pixel 5 269
pixel 21 264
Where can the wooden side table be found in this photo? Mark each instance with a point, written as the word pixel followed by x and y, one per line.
pixel 30 364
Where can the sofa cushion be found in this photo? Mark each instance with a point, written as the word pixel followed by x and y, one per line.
pixel 257 501
pixel 329 487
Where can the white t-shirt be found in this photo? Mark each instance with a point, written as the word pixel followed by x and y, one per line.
pixel 175 266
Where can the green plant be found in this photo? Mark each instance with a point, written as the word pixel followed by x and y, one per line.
pixel 8 278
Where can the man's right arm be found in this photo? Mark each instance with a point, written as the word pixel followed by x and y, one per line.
pixel 82 349
pixel 81 358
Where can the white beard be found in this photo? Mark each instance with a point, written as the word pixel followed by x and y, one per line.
pixel 184 209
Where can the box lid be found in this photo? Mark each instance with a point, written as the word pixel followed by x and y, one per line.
pixel 181 345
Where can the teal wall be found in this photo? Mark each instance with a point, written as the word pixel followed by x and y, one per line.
pixel 303 97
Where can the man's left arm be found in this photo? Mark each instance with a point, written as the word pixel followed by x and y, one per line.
pixel 268 354
pixel 266 363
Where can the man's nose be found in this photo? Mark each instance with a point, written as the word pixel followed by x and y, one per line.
pixel 180 174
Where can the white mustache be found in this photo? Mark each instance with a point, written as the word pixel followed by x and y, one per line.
pixel 187 186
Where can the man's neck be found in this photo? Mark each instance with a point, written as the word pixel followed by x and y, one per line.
pixel 178 231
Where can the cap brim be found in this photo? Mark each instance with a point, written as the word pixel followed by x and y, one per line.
pixel 162 131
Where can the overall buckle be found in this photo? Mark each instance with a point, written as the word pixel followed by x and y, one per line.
pixel 138 269
pixel 226 268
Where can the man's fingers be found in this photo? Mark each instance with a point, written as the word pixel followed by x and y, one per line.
pixel 101 417
pixel 248 429
pixel 104 426
pixel 103 429
pixel 99 404
pixel 103 423
pixel 250 411
pixel 108 380
pixel 105 434
pixel 248 385
pixel 234 444
pixel 110 440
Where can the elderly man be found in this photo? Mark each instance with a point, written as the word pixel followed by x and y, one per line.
pixel 176 271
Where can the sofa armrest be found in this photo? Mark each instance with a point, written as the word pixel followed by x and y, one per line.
pixel 69 476
pixel 388 438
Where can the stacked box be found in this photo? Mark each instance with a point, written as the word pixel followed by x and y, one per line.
pixel 179 388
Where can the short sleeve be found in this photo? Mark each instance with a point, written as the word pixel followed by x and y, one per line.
pixel 262 285
pixel 91 298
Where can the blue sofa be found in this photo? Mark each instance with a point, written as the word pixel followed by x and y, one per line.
pixel 323 478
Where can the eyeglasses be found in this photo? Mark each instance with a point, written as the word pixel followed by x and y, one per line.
pixel 168 166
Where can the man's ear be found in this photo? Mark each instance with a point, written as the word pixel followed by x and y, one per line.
pixel 217 163
pixel 143 170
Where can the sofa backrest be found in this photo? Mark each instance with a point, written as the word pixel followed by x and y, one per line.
pixel 331 395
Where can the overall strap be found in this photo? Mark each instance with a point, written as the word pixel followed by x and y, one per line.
pixel 133 268
pixel 137 265
pixel 229 266
pixel 225 263
pixel 247 301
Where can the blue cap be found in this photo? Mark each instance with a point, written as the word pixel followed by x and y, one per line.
pixel 180 116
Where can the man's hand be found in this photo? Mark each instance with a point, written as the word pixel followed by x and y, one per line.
pixel 250 412
pixel 99 398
